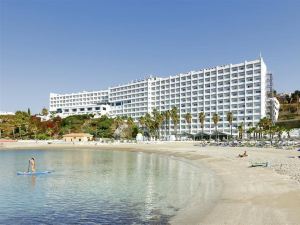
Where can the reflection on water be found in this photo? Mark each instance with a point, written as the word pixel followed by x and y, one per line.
pixel 32 180
pixel 106 187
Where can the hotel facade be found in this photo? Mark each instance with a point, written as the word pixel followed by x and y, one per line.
pixel 238 88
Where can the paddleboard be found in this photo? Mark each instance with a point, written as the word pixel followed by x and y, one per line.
pixel 33 173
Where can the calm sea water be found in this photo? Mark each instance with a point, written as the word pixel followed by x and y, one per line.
pixel 94 187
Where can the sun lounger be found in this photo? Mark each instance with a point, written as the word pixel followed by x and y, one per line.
pixel 259 164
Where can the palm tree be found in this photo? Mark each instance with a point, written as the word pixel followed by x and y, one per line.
pixel 167 117
pixel 268 127
pixel 188 118
pixel 163 115
pixel 288 130
pixel 44 112
pixel 279 131
pixel 201 117
pixel 264 125
pixel 175 118
pixel 149 124
pixel 241 130
pixel 157 121
pixel 142 122
pixel 250 131
pixel 230 119
pixel 272 130
pixel 216 119
pixel 256 132
pixel 160 120
pixel 260 129
pixel 130 121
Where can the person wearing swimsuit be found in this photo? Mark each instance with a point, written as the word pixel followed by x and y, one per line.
pixel 31 165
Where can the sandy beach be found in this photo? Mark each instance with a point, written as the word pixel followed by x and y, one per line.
pixel 247 195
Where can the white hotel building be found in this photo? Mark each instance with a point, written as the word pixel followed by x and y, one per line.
pixel 237 88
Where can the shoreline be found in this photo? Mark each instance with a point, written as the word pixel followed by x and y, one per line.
pixel 248 195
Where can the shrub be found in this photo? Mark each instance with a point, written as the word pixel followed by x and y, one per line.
pixel 42 137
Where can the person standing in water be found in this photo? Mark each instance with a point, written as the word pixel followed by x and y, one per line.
pixel 31 165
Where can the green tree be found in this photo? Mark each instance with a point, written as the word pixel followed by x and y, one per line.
pixel 250 131
pixel 34 129
pixel 132 129
pixel 279 131
pixel 188 118
pixel 241 130
pixel 272 130
pixel 264 125
pixel 149 124
pixel 175 118
pixel 230 119
pixel 75 123
pixel 135 130
pixel 105 126
pixel 202 120
pixel 2 126
pixel 157 121
pixel 142 123
pixel 295 96
pixel 163 114
pixel 49 132
pixel 44 112
pixel 216 120
pixel 130 121
pixel 21 119
pixel 167 117
pixel 13 128
pixel 288 130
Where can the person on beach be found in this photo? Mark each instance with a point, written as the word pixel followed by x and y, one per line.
pixel 243 155
pixel 31 165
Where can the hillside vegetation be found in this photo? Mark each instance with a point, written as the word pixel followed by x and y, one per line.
pixel 289 113
pixel 24 126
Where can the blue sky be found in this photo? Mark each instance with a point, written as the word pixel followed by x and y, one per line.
pixel 73 45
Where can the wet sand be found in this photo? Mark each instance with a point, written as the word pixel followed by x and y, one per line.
pixel 244 195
